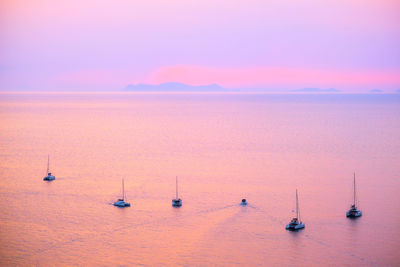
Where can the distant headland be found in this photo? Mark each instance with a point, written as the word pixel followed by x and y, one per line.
pixel 316 90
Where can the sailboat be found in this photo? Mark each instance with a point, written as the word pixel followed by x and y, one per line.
pixel 49 177
pixel 121 202
pixel 296 223
pixel 353 212
pixel 176 202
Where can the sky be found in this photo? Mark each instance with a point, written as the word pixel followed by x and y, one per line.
pixel 98 45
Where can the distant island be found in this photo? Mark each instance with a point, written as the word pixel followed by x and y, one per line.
pixel 376 91
pixel 181 87
pixel 317 90
pixel 174 87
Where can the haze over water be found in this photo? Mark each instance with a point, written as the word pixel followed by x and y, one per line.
pixel 223 148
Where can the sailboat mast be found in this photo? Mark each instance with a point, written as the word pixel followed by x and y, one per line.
pixel 297 206
pixel 48 164
pixel 123 190
pixel 354 186
pixel 176 187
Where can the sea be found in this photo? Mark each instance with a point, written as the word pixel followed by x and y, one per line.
pixel 223 147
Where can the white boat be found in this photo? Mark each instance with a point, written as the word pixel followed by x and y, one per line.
pixel 49 176
pixel 353 212
pixel 296 223
pixel 244 202
pixel 121 202
pixel 176 202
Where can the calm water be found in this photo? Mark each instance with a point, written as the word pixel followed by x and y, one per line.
pixel 223 148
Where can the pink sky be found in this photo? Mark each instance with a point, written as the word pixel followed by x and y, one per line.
pixel 350 45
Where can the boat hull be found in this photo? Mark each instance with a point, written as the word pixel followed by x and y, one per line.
pixel 122 204
pixel 294 227
pixel 354 213
pixel 177 202
pixel 49 178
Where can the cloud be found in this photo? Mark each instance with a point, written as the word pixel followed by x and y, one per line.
pixel 173 87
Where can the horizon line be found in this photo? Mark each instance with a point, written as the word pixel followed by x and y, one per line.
pixel 260 92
